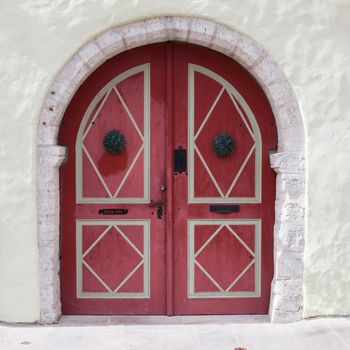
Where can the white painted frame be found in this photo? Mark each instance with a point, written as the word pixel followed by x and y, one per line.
pixel 255 134
pixel 145 259
pixel 83 131
pixel 191 261
pixel 289 161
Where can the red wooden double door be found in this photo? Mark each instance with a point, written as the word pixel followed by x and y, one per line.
pixel 167 197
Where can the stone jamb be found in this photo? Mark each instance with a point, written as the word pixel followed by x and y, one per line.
pixel 289 162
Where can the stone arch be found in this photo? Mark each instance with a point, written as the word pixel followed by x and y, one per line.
pixel 289 161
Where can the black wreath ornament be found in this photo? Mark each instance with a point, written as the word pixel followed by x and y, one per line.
pixel 223 145
pixel 114 141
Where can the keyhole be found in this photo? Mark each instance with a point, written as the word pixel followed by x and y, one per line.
pixel 159 212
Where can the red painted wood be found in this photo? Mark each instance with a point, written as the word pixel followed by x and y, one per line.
pixel 224 257
pixel 113 168
pixel 169 180
pixel 112 256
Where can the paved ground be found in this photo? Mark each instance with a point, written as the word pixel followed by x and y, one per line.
pixel 178 333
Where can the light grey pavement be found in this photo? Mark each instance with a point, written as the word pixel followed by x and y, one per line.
pixel 178 333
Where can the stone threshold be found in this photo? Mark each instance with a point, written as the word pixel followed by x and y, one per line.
pixel 91 320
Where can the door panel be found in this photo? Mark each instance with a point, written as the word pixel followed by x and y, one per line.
pixel 104 244
pixel 221 179
pixel 125 177
pixel 223 259
pixel 112 243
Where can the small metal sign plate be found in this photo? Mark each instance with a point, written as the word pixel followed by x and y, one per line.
pixel 113 211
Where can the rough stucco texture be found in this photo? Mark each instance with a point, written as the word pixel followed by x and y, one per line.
pixel 307 38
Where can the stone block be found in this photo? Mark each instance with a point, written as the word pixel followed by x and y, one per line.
pixel 92 55
pixel 280 92
pixel 47 135
pixel 111 42
pixel 135 35
pixel 288 115
pixel 282 316
pixel 289 265
pixel 156 30
pixel 288 162
pixel 52 111
pixel 288 302
pixel 292 139
pixel 267 71
pixel 201 32
pixel 291 238
pixel 180 28
pixel 288 287
pixel 248 53
pixel 225 40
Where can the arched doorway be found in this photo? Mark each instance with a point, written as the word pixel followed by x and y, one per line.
pixel 289 162
pixel 167 197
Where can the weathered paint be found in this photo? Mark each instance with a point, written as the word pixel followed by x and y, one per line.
pixel 90 282
pixel 202 110
pixel 121 270
pixel 309 41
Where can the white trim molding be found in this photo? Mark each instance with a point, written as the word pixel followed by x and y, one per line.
pixel 144 148
pixel 114 226
pixel 254 132
pixel 289 161
pixel 255 254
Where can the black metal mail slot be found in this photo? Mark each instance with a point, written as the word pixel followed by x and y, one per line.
pixel 113 211
pixel 224 208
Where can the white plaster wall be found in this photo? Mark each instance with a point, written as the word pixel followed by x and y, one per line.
pixel 307 38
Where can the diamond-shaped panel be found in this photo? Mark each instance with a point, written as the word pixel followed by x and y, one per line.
pixel 245 184
pixel 246 283
pixel 135 283
pixel 202 283
pixel 202 233
pixel 206 91
pixel 246 233
pixel 135 234
pixel 224 118
pixel 203 184
pixel 91 233
pixel 224 258
pixel 132 92
pixel 113 258
pixel 90 283
pixel 133 184
pixel 112 169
